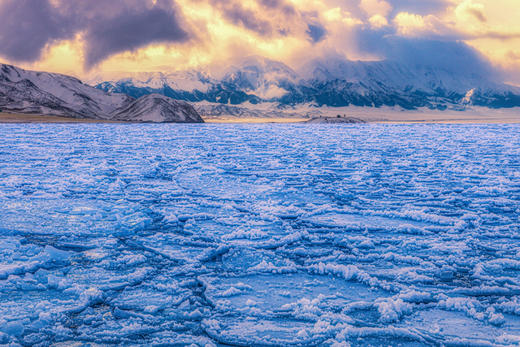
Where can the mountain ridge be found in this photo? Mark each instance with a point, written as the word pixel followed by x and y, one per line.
pixel 34 92
pixel 334 82
pixel 155 108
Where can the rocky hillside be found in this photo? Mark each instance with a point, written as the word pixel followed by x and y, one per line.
pixel 335 120
pixel 157 108
pixel 33 92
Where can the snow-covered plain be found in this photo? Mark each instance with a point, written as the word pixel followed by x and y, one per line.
pixel 260 234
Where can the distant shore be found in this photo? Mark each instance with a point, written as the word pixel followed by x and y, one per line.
pixel 36 118
pixel 391 118
pixel 447 117
pixel 253 120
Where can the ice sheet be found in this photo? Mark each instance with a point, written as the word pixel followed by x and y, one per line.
pixel 260 234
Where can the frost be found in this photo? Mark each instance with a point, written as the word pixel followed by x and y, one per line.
pixel 259 235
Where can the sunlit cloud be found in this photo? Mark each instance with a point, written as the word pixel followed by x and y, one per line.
pixel 378 21
pixel 376 7
pixel 95 37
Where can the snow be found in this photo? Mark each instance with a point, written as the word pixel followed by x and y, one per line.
pixel 70 90
pixel 159 234
pixel 157 108
pixel 369 75
pixel 332 81
pixel 180 80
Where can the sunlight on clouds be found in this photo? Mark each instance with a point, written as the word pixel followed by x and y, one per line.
pixel 506 57
pixel 333 15
pixel 409 23
pixel 373 7
pixel 217 44
pixel 377 21
pixel 487 17
pixel 63 57
pixel 490 26
pixel 469 11
pixel 414 25
pixel 338 16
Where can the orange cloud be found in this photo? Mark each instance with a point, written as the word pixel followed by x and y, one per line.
pixel 292 31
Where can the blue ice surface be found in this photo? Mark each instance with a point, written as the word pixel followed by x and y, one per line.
pixel 260 235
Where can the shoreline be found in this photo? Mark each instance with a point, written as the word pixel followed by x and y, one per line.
pixel 450 121
pixel 395 118
pixel 20 118
pixel 254 120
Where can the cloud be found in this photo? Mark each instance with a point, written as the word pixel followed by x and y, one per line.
pixel 377 21
pixel 420 7
pixel 131 30
pixel 107 27
pixel 472 10
pixel 376 7
pixel 453 57
pixel 268 18
pixel 414 25
pixel 239 15
pixel 185 34
pixel 280 5
pixel 316 32
pixel 28 26
pixel 273 19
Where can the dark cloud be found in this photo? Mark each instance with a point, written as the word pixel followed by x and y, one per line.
pixel 421 7
pixel 280 5
pixel 108 27
pixel 316 32
pixel 504 36
pixel 513 55
pixel 477 14
pixel 241 16
pixel 27 26
pixel 132 30
pixel 452 56
pixel 273 20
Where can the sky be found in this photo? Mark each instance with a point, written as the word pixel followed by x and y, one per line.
pixel 96 37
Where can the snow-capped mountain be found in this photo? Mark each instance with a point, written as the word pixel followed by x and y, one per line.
pixel 54 94
pixel 45 93
pixel 156 108
pixel 264 78
pixel 331 82
pixel 254 81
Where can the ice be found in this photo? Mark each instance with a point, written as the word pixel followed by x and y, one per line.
pixel 259 235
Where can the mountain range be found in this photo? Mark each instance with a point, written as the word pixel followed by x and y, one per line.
pixel 257 87
pixel 332 82
pixel 32 92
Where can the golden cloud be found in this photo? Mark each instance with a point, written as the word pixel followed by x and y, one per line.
pixel 279 30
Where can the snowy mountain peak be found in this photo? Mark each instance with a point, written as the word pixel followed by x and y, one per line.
pixel 331 82
pixel 54 94
pixel 157 108
pixel 261 77
pixel 468 97
pixel 35 92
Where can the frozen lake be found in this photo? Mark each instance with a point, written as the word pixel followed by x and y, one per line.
pixel 260 234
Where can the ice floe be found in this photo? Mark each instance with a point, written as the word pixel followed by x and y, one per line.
pixel 268 235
